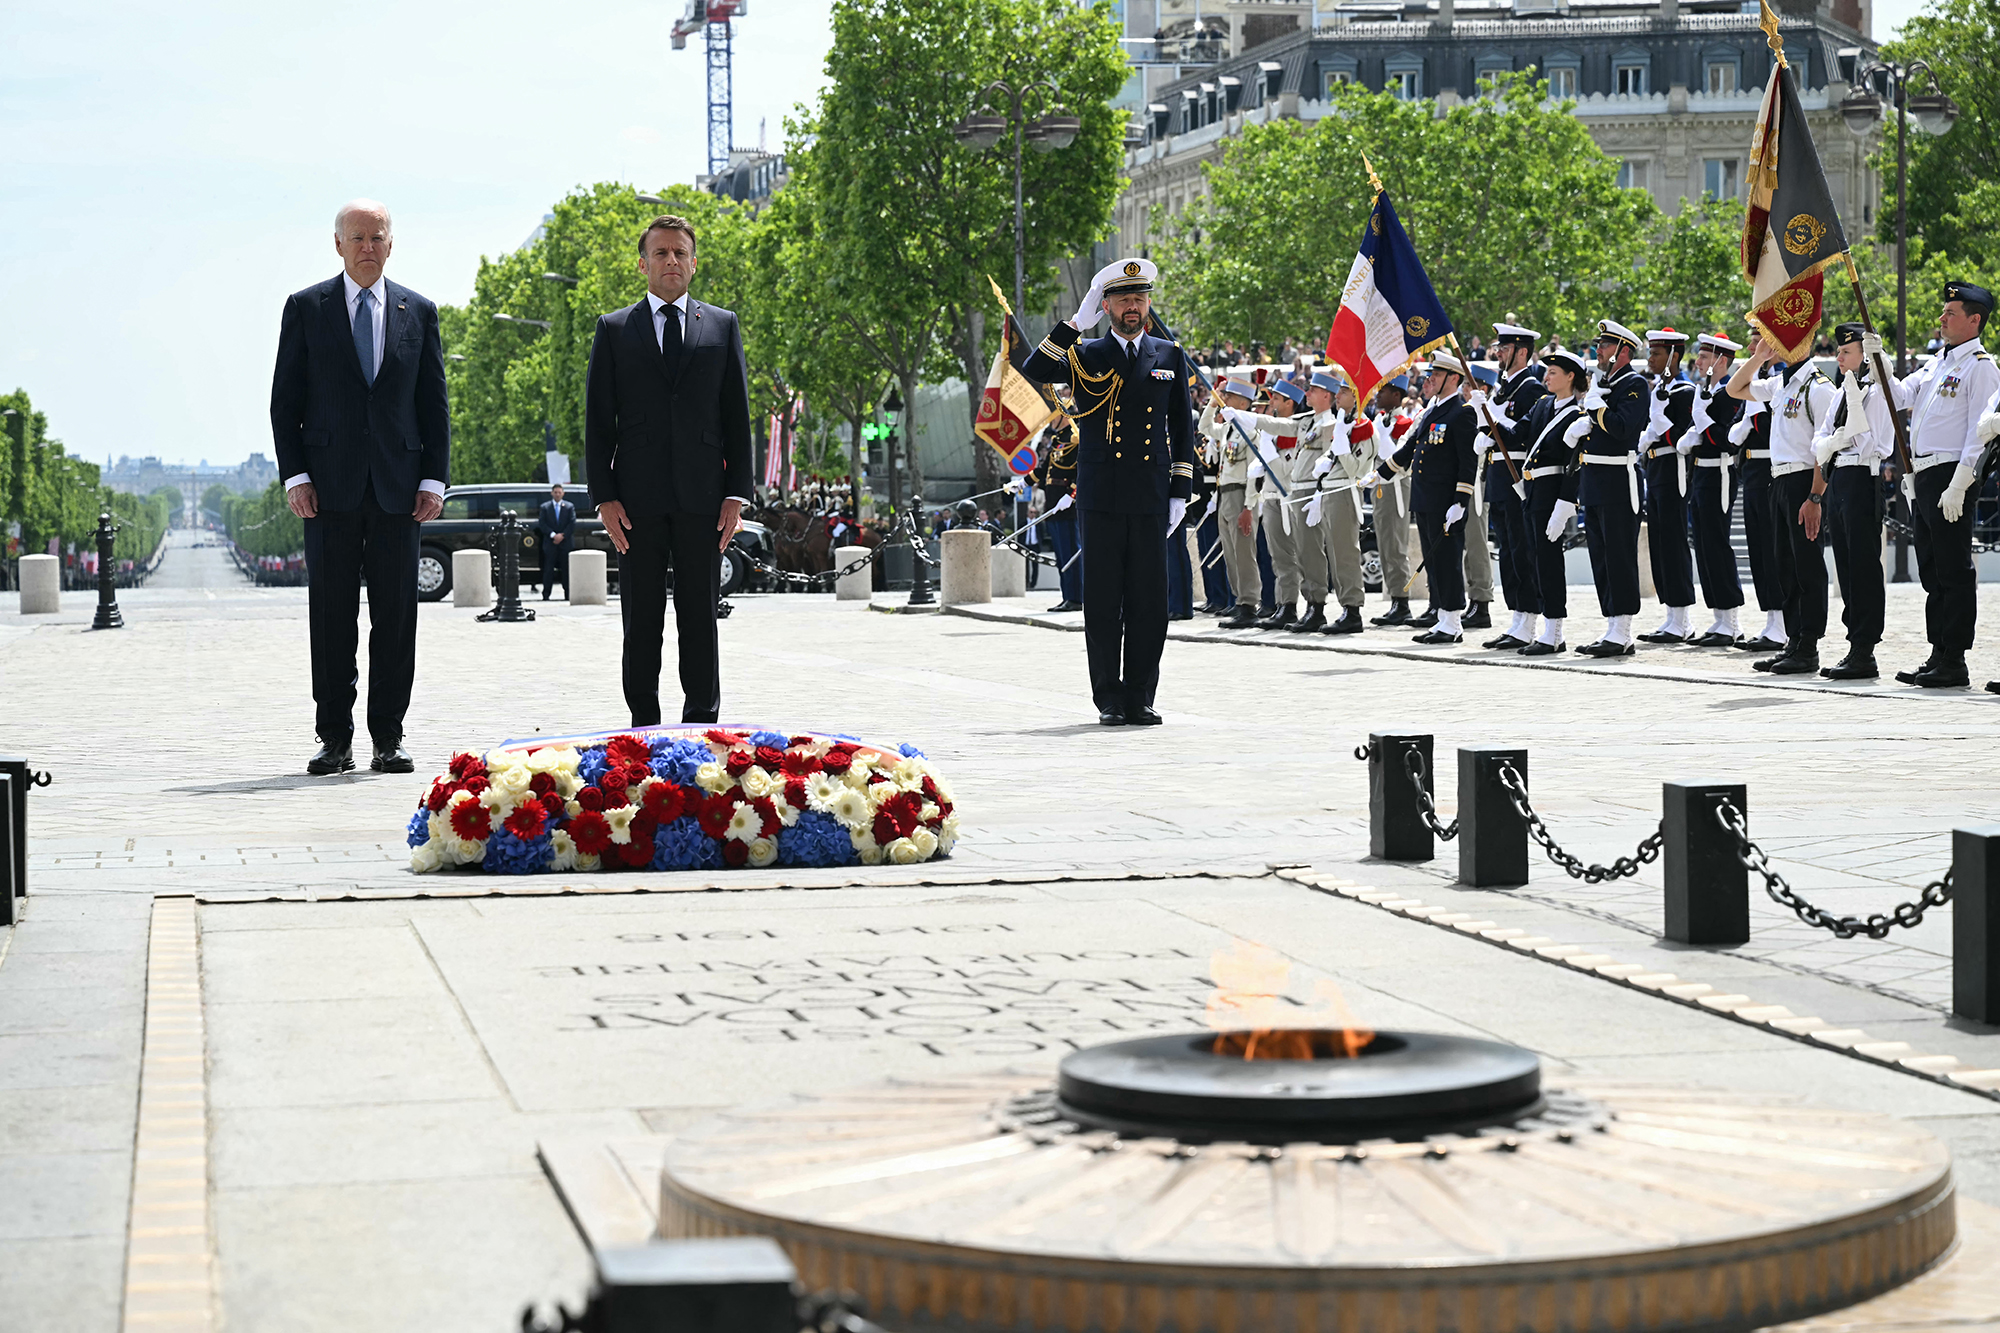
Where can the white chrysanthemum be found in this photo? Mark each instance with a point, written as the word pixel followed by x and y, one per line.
pixel 713 778
pixel 438 827
pixel 759 782
pixel 821 788
pixel 564 848
pixel 569 783
pixel 425 857
pixel 638 789
pixel 926 841
pixel 763 851
pixel 788 814
pixel 909 773
pixel 511 778
pixel 948 834
pixel 587 864
pixel 904 852
pixel 745 824
pixel 863 839
pixel 850 807
pixel 621 822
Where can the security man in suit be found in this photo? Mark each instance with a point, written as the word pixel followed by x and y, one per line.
pixel 1441 455
pixel 1668 411
pixel 1134 474
pixel 557 524
pixel 1519 386
pixel 1615 412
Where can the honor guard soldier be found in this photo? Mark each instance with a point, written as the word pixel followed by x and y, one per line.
pixel 1392 504
pixel 1615 413
pixel 1669 409
pixel 1236 526
pixel 1298 548
pixel 1799 400
pixel 1550 470
pixel 1946 400
pixel 1711 494
pixel 1352 459
pixel 1441 456
pixel 1752 437
pixel 1056 475
pixel 1850 447
pixel 1210 578
pixel 1424 404
pixel 1504 451
pixel 1134 473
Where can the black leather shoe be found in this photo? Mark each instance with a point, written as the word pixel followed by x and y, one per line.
pixel 1767 663
pixel 1432 636
pixel 1213 609
pixel 331 758
pixel 1910 677
pixel 1859 664
pixel 1428 620
pixel 1142 715
pixel 1110 717
pixel 1945 675
pixel 1243 617
pixel 1540 649
pixel 392 759
pixel 1065 606
pixel 1477 617
pixel 1760 644
pixel 1801 662
pixel 1397 614
pixel 1180 615
pixel 1280 618
pixel 1606 648
pixel 1315 620
pixel 1349 622
pixel 1993 687
pixel 1662 636
pixel 1505 641
pixel 1715 638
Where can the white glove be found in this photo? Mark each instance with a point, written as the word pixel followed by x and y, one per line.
pixel 1656 417
pixel 1857 396
pixel 1256 469
pixel 1576 430
pixel 1452 515
pixel 1370 482
pixel 1091 310
pixel 1235 414
pixel 1176 511
pixel 1594 399
pixel 1745 423
pixel 1989 426
pixel 1343 443
pixel 1828 445
pixel 1477 398
pixel 1061 504
pixel 1324 466
pixel 1871 344
pixel 1952 503
pixel 1565 510
pixel 1686 443
pixel 1500 417
pixel 1313 507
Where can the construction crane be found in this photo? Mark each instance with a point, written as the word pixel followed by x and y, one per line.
pixel 711 18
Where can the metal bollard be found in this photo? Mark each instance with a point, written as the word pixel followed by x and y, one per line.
pixel 1975 923
pixel 737 1284
pixel 1708 890
pixel 920 579
pixel 20 779
pixel 107 616
pixel 508 538
pixel 1396 828
pixel 8 884
pixel 1492 836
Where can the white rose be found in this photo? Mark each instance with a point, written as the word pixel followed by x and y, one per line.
pixel 564 848
pixel 425 858
pixel 745 824
pixel 621 822
pixel 458 798
pixel 904 852
pixel 929 812
pixel 864 843
pixel 466 851
pixel 587 864
pixel 571 809
pixel 713 778
pixel 926 841
pixel 948 835
pixel 542 760
pixel 440 831
pixel 821 788
pixel 757 782
pixel 850 807
pixel 763 851
pixel 513 779
pixel 871 856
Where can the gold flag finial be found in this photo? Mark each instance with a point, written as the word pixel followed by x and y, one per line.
pixel 999 296
pixel 1769 23
pixel 1373 179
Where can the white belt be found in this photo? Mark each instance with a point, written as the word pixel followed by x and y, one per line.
pixel 1627 461
pixel 1925 462
pixel 1723 461
pixel 1537 473
pixel 1680 465
pixel 1787 469
pixel 1757 453
pixel 1874 465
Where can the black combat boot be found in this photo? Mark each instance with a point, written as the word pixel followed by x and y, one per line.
pixel 1314 621
pixel 1397 614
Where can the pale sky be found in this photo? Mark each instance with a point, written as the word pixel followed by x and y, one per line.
pixel 171 173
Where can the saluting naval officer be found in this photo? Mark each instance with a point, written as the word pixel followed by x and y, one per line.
pixel 1134 473
pixel 1440 455
pixel 1614 414
pixel 1751 436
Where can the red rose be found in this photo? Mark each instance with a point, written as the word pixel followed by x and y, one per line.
pixel 541 784
pixel 715 814
pixel 628 752
pixel 877 776
pixel 472 821
pixel 590 798
pixel 885 828
pixel 440 795
pixel 465 765
pixel 795 793
pixel 476 783
pixel 738 763
pixel 770 756
pixel 634 855
pixel 527 821
pixel 614 795
pixel 553 805
pixel 768 810
pixel 798 765
pixel 837 760
pixel 801 740
pixel 735 854
pixel 666 801
pixel 720 737
pixel 591 831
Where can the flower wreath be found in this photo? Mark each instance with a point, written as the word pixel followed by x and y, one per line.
pixel 682 798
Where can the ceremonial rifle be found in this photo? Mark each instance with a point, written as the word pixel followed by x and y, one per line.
pixel 1492 429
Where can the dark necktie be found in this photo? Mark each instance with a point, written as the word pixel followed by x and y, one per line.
pixel 1132 358
pixel 670 337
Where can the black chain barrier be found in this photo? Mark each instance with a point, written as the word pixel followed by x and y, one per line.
pixel 1573 866
pixel 1413 764
pixel 826 578
pixel 1876 927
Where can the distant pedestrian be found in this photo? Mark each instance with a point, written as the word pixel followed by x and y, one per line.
pixel 557 524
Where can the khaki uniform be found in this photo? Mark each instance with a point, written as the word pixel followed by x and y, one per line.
pixel 1239 549
pixel 1340 503
pixel 1298 549
pixel 1394 536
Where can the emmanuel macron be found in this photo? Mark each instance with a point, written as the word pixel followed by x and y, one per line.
pixel 1134 472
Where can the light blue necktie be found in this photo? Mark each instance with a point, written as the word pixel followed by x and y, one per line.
pixel 364 334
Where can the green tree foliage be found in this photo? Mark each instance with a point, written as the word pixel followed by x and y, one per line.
pixel 1954 185
pixel 1691 276
pixel 47 494
pixel 142 521
pixel 263 524
pixel 214 499
pixel 1509 203
pixel 173 499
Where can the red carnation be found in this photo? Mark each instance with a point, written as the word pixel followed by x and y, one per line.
pixel 541 784
pixel 837 760
pixel 877 776
pixel 795 793
pixel 628 752
pixel 738 763
pixel 666 801
pixel 715 814
pixel 591 831
pixel 472 821
pixel 590 798
pixel 798 765
pixel 735 854
pixel 440 795
pixel 527 821
pixel 768 810
pixel 553 804
pixel 476 783
pixel 770 756
pixel 944 806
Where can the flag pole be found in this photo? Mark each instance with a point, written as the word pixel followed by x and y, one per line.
pixel 1492 430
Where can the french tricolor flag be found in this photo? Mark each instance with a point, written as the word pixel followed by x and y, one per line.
pixel 1388 315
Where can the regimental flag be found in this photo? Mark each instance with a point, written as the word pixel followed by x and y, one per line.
pixel 774 452
pixel 1389 316
pixel 1014 408
pixel 1791 234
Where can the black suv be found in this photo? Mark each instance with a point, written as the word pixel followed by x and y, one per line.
pixel 471 513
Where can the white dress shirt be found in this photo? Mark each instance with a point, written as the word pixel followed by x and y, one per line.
pixel 660 318
pixel 1948 396
pixel 378 314
pixel 1801 402
pixel 1874 441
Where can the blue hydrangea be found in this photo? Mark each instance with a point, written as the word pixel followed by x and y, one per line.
pixel 776 739
pixel 509 855
pixel 677 761
pixel 681 845
pixel 909 751
pixel 590 764
pixel 816 840
pixel 420 827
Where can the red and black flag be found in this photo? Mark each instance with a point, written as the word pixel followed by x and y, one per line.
pixel 1791 233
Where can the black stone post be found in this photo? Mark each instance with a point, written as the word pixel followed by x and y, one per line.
pixel 920 583
pixel 107 616
pixel 1492 836
pixel 1708 888
pixel 1396 828
pixel 507 604
pixel 726 1285
pixel 19 779
pixel 8 885
pixel 1975 923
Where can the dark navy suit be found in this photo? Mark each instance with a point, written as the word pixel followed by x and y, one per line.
pixel 1666 504
pixel 1135 451
pixel 366 448
pixel 556 520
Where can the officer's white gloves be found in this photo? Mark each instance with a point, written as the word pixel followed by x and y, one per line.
pixel 1871 344
pixel 1828 445
pixel 1564 511
pixel 1324 466
pixel 1176 511
pixel 1952 503
pixel 1313 507
pixel 1576 430
pixel 1594 399
pixel 1500 417
pixel 1256 469
pixel 1656 417
pixel 1236 415
pixel 1370 482
pixel 1342 442
pixel 1061 504
pixel 1453 515
pixel 1091 310
pixel 1745 423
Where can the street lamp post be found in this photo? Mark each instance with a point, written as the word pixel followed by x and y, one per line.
pixel 985 127
pixel 1935 113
